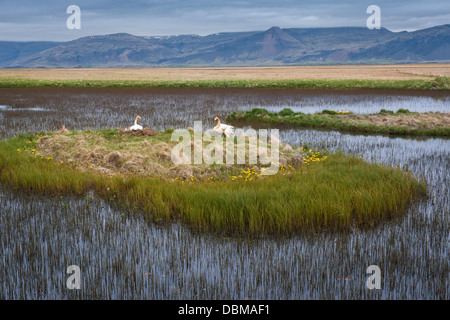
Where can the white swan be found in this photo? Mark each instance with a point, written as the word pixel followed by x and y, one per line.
pixel 223 129
pixel 136 126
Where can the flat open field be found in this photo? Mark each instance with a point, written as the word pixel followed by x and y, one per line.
pixel 366 72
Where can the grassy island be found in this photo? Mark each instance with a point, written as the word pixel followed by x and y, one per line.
pixel 402 122
pixel 312 190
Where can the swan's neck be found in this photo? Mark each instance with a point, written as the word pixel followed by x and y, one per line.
pixel 218 124
pixel 135 121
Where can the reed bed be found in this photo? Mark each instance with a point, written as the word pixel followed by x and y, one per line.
pixel 122 256
pixel 336 193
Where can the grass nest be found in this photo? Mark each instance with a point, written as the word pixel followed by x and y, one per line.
pixel 139 133
pixel 147 153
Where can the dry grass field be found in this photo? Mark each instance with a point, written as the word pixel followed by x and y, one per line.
pixel 365 72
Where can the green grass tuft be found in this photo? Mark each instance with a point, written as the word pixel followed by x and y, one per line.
pixel 439 83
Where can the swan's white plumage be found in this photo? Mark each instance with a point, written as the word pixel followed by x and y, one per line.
pixel 136 126
pixel 223 129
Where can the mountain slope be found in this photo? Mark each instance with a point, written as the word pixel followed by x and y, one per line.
pixel 10 50
pixel 274 46
pixel 422 45
pixel 286 46
pixel 114 50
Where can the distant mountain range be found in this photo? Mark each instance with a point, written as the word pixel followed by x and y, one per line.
pixel 274 47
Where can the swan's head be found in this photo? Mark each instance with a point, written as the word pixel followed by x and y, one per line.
pixel 138 117
pixel 216 119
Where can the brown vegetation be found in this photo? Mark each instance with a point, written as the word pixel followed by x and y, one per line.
pixel 375 72
pixel 144 152
pixel 139 133
pixel 427 120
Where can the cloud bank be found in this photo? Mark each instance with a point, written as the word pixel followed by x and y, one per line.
pixel 32 20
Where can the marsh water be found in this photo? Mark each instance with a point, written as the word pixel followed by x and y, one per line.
pixel 123 256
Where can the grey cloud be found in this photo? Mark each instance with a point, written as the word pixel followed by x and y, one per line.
pixel 45 19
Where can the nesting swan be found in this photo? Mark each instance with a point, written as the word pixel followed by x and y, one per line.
pixel 223 129
pixel 136 126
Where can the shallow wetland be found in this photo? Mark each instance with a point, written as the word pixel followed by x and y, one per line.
pixel 123 256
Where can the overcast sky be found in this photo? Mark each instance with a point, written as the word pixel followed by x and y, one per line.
pixel 27 20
